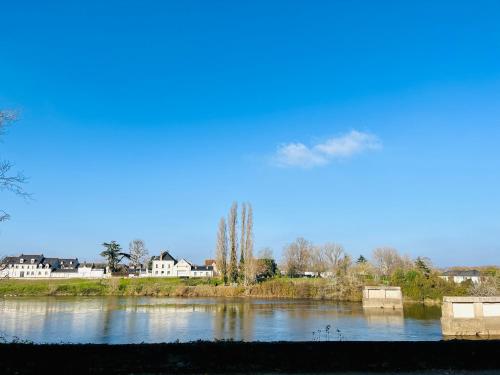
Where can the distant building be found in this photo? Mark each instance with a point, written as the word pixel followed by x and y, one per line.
pixel 165 265
pixel 202 271
pixel 461 276
pixel 213 264
pixel 38 266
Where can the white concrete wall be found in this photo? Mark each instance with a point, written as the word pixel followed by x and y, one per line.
pixel 89 272
pixel 198 273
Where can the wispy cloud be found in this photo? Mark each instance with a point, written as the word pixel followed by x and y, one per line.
pixel 341 147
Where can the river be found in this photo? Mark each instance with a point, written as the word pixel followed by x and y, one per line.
pixel 120 320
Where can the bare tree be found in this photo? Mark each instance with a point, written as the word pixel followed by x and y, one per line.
pixel 233 243
pixel 221 250
pixel 249 265
pixel 296 257
pixel 329 258
pixel 336 259
pixel 9 180
pixel 266 253
pixel 387 260
pixel 318 262
pixel 138 252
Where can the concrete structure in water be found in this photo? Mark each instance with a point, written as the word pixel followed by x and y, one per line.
pixel 471 316
pixel 386 297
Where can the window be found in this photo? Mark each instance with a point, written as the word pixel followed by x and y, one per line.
pixel 162 272
pixel 46 272
pixel 21 260
pixel 156 266
pixel 156 272
pixel 39 273
pixel 168 272
pixel 162 266
pixel 32 260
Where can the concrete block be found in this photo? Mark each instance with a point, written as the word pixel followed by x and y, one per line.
pixel 385 297
pixel 470 316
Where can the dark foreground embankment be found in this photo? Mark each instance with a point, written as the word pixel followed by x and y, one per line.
pixel 238 357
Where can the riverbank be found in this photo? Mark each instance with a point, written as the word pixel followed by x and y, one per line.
pixel 290 288
pixel 253 357
pixel 176 287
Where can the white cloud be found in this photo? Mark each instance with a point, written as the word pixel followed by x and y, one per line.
pixel 345 146
pixel 298 155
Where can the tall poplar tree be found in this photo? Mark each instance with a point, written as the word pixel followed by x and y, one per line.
pixel 233 243
pixel 221 250
pixel 249 260
pixel 243 238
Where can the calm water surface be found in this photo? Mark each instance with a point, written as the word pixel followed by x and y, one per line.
pixel 145 319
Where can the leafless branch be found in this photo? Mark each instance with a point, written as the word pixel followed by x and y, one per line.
pixel 10 181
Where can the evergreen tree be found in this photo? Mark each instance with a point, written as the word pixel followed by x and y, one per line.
pixel 423 265
pixel 361 260
pixel 112 252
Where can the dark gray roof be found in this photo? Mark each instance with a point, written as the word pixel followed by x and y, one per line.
pixel 26 259
pixel 93 265
pixel 462 273
pixel 68 262
pixel 165 255
pixel 52 262
pixel 202 268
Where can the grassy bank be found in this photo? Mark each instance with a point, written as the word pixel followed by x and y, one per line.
pixel 427 290
pixel 174 287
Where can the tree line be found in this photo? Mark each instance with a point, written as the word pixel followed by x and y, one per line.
pixel 331 259
pixel 229 249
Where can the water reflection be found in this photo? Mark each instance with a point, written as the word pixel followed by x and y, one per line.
pixel 145 319
pixel 393 317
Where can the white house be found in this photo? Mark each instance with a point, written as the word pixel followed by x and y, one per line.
pixel 461 276
pixel 165 265
pixel 38 266
pixel 202 271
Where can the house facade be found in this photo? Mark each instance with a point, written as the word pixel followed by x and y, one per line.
pixel 38 266
pixel 460 276
pixel 165 265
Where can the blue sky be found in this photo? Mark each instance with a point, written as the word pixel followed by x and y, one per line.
pixel 358 122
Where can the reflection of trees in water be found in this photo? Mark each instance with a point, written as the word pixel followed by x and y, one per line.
pixel 234 320
pixel 107 316
pixel 420 311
